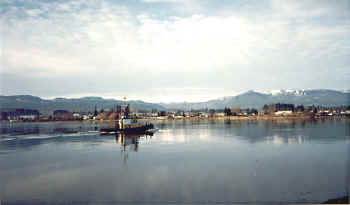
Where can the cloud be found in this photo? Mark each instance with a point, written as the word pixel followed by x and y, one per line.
pixel 311 9
pixel 167 1
pixel 124 51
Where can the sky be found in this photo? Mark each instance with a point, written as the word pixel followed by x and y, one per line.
pixel 172 50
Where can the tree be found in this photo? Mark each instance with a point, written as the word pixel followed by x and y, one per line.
pixel 127 110
pixel 300 108
pixel 254 111
pixel 227 111
pixel 162 113
pixel 95 112
pixel 211 112
pixel 266 108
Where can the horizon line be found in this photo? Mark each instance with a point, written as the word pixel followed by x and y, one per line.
pixel 267 92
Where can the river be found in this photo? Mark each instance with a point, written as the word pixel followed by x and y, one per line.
pixel 186 161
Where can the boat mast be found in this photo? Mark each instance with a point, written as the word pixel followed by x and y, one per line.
pixel 126 109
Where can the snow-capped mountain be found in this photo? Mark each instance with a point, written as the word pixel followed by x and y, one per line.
pixel 249 99
pixel 346 91
pixel 257 99
pixel 285 92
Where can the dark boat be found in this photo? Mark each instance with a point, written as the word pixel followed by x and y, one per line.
pixel 127 125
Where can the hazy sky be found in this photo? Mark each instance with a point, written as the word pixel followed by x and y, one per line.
pixel 172 50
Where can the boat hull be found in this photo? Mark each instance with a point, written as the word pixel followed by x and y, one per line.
pixel 132 130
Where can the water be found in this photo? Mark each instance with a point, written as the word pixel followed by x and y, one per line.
pixel 201 161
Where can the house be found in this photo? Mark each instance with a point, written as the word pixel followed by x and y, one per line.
pixel 23 114
pixel 87 117
pixel 273 108
pixel 77 116
pixel 203 114
pixel 219 114
pixel 346 112
pixel 179 117
pixel 284 112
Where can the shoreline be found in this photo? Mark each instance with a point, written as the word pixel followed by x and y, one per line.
pixel 248 118
pixel 231 118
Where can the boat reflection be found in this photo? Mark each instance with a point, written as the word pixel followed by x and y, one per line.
pixel 130 142
pixel 279 140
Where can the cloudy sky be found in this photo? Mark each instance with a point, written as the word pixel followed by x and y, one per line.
pixel 172 50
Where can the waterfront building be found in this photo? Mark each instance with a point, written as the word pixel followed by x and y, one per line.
pixel 21 114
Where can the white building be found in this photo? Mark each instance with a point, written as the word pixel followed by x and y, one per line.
pixel 220 114
pixel 284 112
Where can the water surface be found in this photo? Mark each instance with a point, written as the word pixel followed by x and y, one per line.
pixel 194 161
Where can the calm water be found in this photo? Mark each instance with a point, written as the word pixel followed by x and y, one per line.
pixel 184 162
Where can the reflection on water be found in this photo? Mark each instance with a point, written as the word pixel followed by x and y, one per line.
pixel 187 161
pixel 277 140
pixel 130 142
pixel 14 129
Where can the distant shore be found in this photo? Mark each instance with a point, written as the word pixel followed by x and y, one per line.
pixel 233 118
pixel 257 117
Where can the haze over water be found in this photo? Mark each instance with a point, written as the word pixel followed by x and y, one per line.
pixel 190 161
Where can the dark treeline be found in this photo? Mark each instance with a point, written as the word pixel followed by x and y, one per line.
pixel 112 112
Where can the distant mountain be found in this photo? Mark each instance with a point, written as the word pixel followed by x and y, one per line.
pixel 250 99
pixel 84 104
pixel 256 99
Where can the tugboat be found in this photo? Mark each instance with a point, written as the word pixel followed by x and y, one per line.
pixel 127 125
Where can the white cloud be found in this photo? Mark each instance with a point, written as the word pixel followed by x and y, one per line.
pixel 167 1
pixel 34 12
pixel 99 40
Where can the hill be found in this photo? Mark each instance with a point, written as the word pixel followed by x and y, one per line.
pixel 250 99
pixel 84 104
pixel 255 99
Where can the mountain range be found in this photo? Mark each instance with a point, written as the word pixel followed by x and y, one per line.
pixel 85 104
pixel 250 99
pixel 256 99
